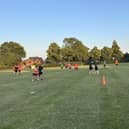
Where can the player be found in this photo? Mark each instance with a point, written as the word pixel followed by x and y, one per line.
pixel 69 66
pixel 91 68
pixel 116 62
pixel 66 65
pixel 62 66
pixel 35 74
pixel 76 66
pixel 96 67
pixel 40 72
pixel 15 69
pixel 104 64
pixel 19 69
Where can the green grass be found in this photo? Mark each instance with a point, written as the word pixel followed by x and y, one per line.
pixel 66 99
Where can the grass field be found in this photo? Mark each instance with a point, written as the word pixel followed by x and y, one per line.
pixel 66 99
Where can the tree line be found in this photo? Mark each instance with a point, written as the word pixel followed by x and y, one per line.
pixel 72 50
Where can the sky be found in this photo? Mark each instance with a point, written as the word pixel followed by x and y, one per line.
pixel 37 23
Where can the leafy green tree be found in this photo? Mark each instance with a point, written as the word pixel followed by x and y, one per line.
pixel 11 53
pixel 67 54
pixel 74 50
pixel 69 42
pixel 116 52
pixel 53 53
pixel 106 54
pixel 80 52
pixel 95 53
pixel 125 57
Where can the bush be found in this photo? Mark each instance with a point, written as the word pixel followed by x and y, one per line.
pixel 51 65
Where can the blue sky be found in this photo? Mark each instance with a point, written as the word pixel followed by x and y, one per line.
pixel 37 23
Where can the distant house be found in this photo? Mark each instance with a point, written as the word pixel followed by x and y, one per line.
pixel 33 60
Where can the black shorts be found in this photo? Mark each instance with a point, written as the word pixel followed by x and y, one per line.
pixel 35 74
pixel 90 68
pixel 40 73
pixel 15 70
pixel 96 68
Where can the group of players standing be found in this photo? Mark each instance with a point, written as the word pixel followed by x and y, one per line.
pixel 37 71
pixel 93 67
pixel 17 69
pixel 69 66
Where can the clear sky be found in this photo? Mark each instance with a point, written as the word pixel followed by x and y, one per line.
pixel 37 23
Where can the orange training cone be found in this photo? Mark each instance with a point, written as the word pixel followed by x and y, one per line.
pixel 103 81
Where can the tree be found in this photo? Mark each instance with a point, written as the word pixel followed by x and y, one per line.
pixel 106 54
pixel 69 42
pixel 67 54
pixel 11 53
pixel 125 57
pixel 80 52
pixel 53 53
pixel 95 53
pixel 116 52
pixel 74 50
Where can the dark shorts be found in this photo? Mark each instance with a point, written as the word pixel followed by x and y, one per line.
pixel 96 68
pixel 90 68
pixel 40 73
pixel 35 74
pixel 15 70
